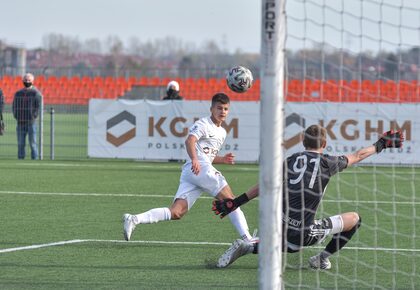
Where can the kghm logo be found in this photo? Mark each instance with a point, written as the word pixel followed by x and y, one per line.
pixel 119 120
pixel 294 119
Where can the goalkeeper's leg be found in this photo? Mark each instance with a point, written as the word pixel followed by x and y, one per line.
pixel 351 222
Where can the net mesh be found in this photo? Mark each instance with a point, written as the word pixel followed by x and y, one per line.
pixel 354 66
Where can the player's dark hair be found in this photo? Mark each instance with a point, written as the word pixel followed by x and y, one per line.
pixel 220 98
pixel 314 137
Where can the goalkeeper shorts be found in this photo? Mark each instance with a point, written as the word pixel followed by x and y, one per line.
pixel 316 233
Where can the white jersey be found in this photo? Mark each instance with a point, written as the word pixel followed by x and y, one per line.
pixel 210 139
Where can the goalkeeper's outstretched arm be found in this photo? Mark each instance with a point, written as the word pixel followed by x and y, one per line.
pixel 389 139
pixel 226 206
pixel 253 192
pixel 360 155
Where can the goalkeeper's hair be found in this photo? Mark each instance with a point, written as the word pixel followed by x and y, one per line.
pixel 314 137
pixel 220 98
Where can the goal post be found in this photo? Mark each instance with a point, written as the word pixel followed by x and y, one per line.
pixel 273 35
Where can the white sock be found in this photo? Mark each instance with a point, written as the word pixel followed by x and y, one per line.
pixel 153 216
pixel 324 254
pixel 237 218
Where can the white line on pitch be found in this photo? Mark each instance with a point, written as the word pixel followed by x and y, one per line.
pixel 159 242
pixel 32 247
pixel 40 246
pixel 372 201
pixel 242 167
pixel 107 241
pixel 382 249
pixel 89 194
pixel 172 196
pixel 131 166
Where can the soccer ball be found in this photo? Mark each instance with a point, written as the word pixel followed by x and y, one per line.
pixel 239 79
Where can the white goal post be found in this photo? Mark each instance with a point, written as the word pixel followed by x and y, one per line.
pixel 273 35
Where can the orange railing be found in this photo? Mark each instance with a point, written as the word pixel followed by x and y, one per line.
pixel 78 90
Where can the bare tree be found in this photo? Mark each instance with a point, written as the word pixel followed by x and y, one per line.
pixel 92 45
pixel 66 45
pixel 114 45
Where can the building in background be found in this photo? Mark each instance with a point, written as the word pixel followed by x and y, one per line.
pixel 12 59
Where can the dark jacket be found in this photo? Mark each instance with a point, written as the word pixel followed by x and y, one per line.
pixel 26 105
pixel 1 101
pixel 172 95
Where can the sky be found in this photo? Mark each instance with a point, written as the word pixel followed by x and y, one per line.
pixel 233 24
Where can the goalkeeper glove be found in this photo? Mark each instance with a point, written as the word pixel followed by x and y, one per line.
pixel 390 139
pixel 226 206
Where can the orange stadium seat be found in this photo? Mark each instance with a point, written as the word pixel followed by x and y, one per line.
pixel 78 90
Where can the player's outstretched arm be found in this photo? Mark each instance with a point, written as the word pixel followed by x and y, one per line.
pixel 360 155
pixel 389 139
pixel 226 206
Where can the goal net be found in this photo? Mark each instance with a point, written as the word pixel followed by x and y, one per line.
pixel 354 68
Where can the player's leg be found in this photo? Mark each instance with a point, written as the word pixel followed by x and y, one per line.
pixel 21 140
pixel 32 140
pixel 237 217
pixel 241 248
pixel 184 199
pixel 213 182
pixel 351 222
pixel 342 228
pixel 238 249
pixel 177 210
pixel 151 216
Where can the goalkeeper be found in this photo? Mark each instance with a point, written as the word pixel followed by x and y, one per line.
pixel 306 175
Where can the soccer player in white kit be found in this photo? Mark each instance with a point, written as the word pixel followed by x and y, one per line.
pixel 204 141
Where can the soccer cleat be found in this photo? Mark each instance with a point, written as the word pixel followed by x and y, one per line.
pixel 237 249
pixel 316 262
pixel 128 226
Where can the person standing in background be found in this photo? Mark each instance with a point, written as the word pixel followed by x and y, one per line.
pixel 26 104
pixel 172 91
pixel 1 101
pixel 1 112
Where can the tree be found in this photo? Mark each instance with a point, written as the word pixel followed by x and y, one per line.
pixel 391 67
pixel 92 45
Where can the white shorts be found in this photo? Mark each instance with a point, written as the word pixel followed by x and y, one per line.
pixel 191 186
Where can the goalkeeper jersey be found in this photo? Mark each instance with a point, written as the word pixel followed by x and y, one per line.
pixel 210 139
pixel 306 179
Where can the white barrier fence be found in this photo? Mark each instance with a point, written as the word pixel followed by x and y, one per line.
pixel 156 130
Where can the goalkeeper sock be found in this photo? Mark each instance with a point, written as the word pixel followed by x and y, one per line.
pixel 237 218
pixel 153 216
pixel 339 240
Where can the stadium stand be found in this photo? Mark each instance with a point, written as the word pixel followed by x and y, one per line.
pixel 78 90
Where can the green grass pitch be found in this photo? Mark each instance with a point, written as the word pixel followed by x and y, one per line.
pixel 43 202
pixel 70 136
